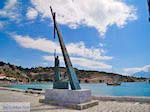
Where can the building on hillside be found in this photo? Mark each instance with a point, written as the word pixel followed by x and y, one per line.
pixel 2 76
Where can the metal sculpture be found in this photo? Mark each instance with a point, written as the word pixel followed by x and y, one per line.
pixel 58 83
pixel 74 82
pixel 56 70
pixel 148 2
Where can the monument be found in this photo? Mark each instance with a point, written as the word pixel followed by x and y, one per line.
pixel 74 83
pixel 58 83
pixel 75 97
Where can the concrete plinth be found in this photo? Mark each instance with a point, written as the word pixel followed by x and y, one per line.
pixel 77 99
pixel 68 96
pixel 80 106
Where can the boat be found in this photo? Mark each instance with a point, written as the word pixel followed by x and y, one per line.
pixel 114 82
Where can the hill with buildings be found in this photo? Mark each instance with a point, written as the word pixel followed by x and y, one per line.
pixel 39 74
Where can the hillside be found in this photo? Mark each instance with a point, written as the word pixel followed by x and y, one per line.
pixel 13 71
pixel 47 74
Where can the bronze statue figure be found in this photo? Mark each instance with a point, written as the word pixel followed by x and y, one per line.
pixel 56 70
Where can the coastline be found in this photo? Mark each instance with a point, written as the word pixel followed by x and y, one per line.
pixel 125 89
pixel 141 99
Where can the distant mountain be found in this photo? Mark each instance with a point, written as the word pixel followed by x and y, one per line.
pixel 142 74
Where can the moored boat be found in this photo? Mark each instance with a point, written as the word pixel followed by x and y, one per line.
pixel 113 84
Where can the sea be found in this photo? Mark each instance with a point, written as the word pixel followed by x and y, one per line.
pixel 101 89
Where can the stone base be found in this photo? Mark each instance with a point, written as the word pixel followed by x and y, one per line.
pixel 72 106
pixel 68 96
pixel 77 99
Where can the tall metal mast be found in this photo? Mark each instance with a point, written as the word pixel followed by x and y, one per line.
pixel 148 2
pixel 74 82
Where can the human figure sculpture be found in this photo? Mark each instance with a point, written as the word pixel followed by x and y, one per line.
pixel 58 82
pixel 56 69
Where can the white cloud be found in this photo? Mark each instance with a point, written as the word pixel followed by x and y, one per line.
pixel 45 64
pixel 31 13
pixel 74 49
pixel 99 14
pixel 101 44
pixel 10 10
pixel 10 4
pixel 137 69
pixel 82 63
pixel 81 56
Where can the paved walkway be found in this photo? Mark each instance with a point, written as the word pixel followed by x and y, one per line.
pixel 109 106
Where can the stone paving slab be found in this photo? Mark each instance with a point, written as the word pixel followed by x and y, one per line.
pixel 104 106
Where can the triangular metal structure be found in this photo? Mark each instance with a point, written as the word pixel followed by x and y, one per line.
pixel 74 82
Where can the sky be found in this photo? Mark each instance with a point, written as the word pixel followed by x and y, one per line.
pixel 102 35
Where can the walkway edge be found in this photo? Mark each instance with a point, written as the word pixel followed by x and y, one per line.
pixel 122 98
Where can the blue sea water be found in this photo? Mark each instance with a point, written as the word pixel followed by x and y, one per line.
pixel 126 89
